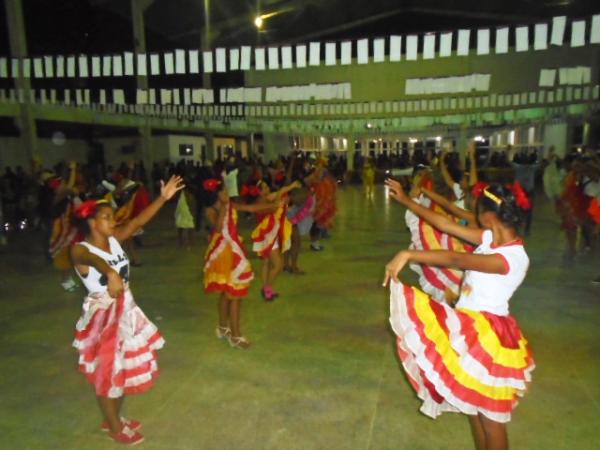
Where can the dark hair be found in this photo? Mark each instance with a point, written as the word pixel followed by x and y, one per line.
pixel 210 197
pixel 83 225
pixel 506 209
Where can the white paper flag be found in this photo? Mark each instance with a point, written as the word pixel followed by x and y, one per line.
pixel 273 53
pixel 502 40
pixel 315 54
pixel 362 48
pixel 330 56
pixel 463 42
pixel 207 59
pixel 446 44
pixel 221 60
pixel 154 64
pixel 49 66
pixel 395 48
pixel 165 96
pixel 152 96
pixel 547 77
pixel 96 68
pixel 286 57
pixel 128 58
pixel 106 66
pixel 578 33
pixel 558 30
pixel 118 96
pixel 522 39
pixel 483 41
pixel 245 57
pixel 595 33
pixel 541 37
pixel 83 66
pixel 169 63
pixel 38 68
pixel 78 96
pixel 60 66
pixel 259 58
pixel 176 99
pixel 67 92
pixel 142 67
pixel 117 62
pixel 26 68
pixel 180 61
pixel 3 68
pixel 300 56
pixel 429 46
pixel 346 53
pixel 141 97
pixel 378 50
pixel 102 99
pixel 234 59
pixel 412 42
pixel 70 66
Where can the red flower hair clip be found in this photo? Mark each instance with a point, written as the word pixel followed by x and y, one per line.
pixel 477 190
pixel 54 183
pixel 250 190
pixel 211 185
pixel 87 208
pixel 521 197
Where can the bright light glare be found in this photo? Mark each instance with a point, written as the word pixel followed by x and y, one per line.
pixel 259 22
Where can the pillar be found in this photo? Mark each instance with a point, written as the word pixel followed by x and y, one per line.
pixel 25 121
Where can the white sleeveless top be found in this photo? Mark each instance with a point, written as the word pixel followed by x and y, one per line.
pixel 491 292
pixel 95 282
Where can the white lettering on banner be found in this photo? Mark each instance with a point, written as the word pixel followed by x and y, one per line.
pixel 466 83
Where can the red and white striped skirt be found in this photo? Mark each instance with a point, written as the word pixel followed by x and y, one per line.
pixel 459 360
pixel 117 345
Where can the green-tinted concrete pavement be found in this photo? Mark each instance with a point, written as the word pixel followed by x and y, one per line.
pixel 322 372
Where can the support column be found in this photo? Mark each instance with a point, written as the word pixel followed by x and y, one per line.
pixel 25 121
pixel 206 80
pixel 139 40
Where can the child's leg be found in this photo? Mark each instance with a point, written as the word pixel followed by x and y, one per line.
pixel 495 434
pixel 224 311
pixel 110 410
pixel 477 432
pixel 294 252
pixel 266 267
pixel 275 266
pixel 235 305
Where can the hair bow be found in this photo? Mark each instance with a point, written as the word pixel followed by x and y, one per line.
pixel 87 208
pixel 478 189
pixel 521 197
pixel 211 185
pixel 250 190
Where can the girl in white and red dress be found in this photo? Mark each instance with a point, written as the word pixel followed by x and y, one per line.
pixel 472 359
pixel 115 340
pixel 272 236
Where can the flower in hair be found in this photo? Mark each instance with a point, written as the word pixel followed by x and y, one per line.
pixel 250 190
pixel 521 197
pixel 211 185
pixel 477 190
pixel 87 208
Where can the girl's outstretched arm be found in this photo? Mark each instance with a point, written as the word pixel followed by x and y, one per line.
pixel 167 191
pixel 494 263
pixel 439 221
pixel 473 177
pixel 273 196
pixel 449 206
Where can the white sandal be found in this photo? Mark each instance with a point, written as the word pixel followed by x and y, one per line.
pixel 223 332
pixel 239 342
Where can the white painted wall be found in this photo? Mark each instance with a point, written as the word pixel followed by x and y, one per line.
pixel 174 141
pixel 556 134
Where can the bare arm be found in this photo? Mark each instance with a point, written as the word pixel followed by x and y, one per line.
pixel 81 256
pixel 449 206
pixel 273 196
pixel 493 263
pixel 167 191
pixel 216 217
pixel 439 221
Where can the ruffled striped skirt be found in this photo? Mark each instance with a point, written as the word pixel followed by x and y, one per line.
pixel 117 345
pixel 459 360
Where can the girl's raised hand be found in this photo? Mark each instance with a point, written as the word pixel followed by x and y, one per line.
pixel 396 191
pixel 168 190
pixel 395 266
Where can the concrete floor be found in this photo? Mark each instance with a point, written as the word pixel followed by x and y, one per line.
pixel 322 373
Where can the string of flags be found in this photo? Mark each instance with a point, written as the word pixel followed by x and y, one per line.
pixel 463 42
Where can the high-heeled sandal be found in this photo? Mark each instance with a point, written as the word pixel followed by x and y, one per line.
pixel 239 342
pixel 223 332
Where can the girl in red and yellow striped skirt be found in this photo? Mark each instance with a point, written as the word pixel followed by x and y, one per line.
pixel 273 236
pixel 472 359
pixel 227 270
